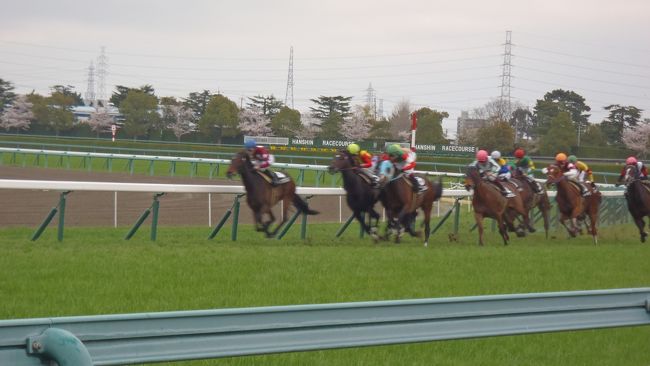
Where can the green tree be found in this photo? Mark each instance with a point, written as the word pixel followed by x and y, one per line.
pixel 557 101
pixel 220 118
pixel 68 91
pixel 286 122
pixel 121 92
pixel 400 121
pixel 54 112
pixel 430 126
pixel 594 136
pixel 326 107
pixel 496 135
pixel 198 102
pixel 380 130
pixel 560 136
pixel 6 94
pixel 522 123
pixel 267 104
pixel 620 118
pixel 331 127
pixel 140 113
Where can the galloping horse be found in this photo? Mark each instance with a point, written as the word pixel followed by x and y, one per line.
pixel 571 203
pixel 361 197
pixel 261 196
pixel 638 198
pixel 488 201
pixel 533 199
pixel 401 203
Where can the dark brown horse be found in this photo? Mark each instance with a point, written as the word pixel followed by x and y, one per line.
pixel 533 199
pixel 261 196
pixel 638 198
pixel 361 196
pixel 402 202
pixel 488 201
pixel 572 204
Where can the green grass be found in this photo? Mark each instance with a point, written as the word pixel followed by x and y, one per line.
pixel 94 271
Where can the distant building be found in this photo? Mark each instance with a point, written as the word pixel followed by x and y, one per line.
pixel 82 113
pixel 468 127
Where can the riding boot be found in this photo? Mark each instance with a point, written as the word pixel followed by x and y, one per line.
pixel 584 190
pixel 505 191
pixel 416 184
pixel 274 178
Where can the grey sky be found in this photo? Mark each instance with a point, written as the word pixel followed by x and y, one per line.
pixel 443 54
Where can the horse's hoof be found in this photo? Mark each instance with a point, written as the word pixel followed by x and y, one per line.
pixel 426 244
pixel 531 229
pixel 521 233
pixel 643 236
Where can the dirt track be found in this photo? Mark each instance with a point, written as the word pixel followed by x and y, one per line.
pixel 29 207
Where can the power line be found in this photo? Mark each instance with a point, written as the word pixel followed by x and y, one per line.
pixel 582 57
pixel 584 78
pixel 581 67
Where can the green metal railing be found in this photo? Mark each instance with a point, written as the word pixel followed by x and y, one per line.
pixel 175 336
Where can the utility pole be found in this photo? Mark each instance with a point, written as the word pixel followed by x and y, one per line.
pixel 289 93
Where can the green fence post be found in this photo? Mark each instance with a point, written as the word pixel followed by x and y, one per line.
pixel 135 227
pixel 345 226
pixel 44 224
pixel 444 218
pixel 225 217
pixel 288 225
pixel 456 215
pixel 235 220
pixel 61 214
pixel 60 346
pixel 154 218
pixel 151 169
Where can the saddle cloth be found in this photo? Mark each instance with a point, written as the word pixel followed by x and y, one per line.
pixel 280 177
pixel 422 186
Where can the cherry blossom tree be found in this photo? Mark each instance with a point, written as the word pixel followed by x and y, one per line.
pixel 253 122
pixel 18 116
pixel 100 121
pixel 180 120
pixel 638 138
pixel 357 126
pixel 310 127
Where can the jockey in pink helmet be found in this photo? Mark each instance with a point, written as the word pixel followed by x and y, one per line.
pixel 488 168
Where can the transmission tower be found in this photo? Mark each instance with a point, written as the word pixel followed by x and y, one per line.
pixel 102 71
pixel 371 100
pixel 505 75
pixel 380 111
pixel 289 93
pixel 89 97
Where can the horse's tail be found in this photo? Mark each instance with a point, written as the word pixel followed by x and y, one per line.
pixel 438 189
pixel 302 205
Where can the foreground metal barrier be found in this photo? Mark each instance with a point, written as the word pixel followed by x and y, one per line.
pixel 154 337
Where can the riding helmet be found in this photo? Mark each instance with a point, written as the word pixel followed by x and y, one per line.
pixel 496 155
pixel 250 144
pixel 560 157
pixel 482 156
pixel 572 158
pixel 519 153
pixel 630 161
pixel 353 149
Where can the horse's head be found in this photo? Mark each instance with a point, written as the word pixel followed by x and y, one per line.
pixel 472 177
pixel 553 174
pixel 630 173
pixel 342 161
pixel 238 163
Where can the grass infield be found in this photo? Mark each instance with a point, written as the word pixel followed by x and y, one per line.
pixel 95 271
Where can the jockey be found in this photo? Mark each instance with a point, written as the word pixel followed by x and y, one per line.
pixel 261 159
pixel 364 161
pixel 524 165
pixel 641 170
pixel 584 170
pixel 488 168
pixel 570 171
pixel 504 172
pixel 404 160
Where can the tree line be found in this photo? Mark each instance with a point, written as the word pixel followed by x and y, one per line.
pixel 558 121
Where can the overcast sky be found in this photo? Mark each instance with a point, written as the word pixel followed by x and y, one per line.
pixel 446 55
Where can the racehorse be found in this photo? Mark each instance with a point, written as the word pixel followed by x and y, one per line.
pixel 533 199
pixel 638 198
pixel 488 201
pixel 361 197
pixel 572 204
pixel 261 196
pixel 401 203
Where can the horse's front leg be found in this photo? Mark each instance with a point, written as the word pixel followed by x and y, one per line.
pixel 640 223
pixel 257 216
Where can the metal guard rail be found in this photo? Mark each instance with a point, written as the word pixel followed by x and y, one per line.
pixel 173 336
